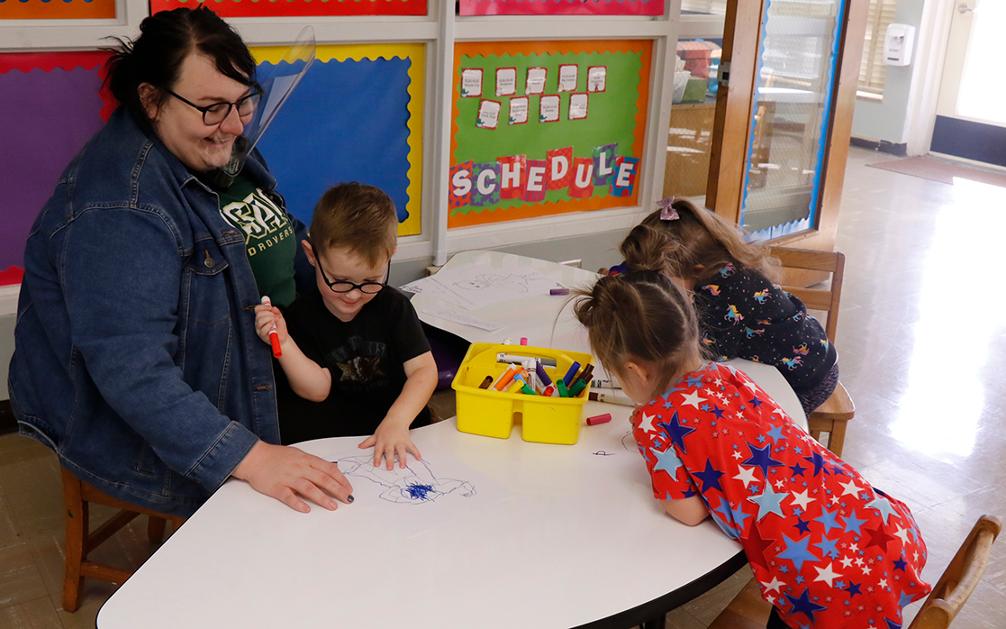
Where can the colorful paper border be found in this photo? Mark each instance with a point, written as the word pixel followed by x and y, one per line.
pixel 297 8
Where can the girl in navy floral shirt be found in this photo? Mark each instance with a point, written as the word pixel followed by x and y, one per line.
pixel 742 310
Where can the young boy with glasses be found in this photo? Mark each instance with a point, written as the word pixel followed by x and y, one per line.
pixel 353 353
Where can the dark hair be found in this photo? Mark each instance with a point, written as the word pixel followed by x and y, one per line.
pixel 641 315
pixel 693 246
pixel 165 40
pixel 357 216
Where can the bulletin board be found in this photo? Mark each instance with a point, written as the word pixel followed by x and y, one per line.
pixel 56 9
pixel 51 106
pixel 541 128
pixel 294 8
pixel 561 7
pixel 357 115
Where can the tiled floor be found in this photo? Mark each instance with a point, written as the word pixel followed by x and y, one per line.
pixel 922 337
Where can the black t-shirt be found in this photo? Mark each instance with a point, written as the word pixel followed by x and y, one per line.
pixel 365 357
pixel 743 314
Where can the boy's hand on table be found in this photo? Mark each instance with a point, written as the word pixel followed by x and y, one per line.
pixel 290 475
pixel 265 318
pixel 390 440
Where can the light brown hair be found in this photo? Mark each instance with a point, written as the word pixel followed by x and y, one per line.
pixel 640 316
pixel 357 216
pixel 693 246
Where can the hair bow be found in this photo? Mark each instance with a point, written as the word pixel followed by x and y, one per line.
pixel 667 211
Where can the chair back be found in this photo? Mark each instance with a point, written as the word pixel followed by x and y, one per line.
pixel 821 299
pixel 960 578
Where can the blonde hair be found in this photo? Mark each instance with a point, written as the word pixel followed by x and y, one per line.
pixel 640 316
pixel 357 216
pixel 693 246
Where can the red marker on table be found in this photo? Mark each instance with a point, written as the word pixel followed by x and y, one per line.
pixel 603 418
pixel 277 350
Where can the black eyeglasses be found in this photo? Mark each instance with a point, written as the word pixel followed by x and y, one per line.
pixel 340 285
pixel 217 112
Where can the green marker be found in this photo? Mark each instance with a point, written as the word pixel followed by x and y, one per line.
pixel 562 388
pixel 578 388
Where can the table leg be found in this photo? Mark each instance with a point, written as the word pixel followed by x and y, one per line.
pixel 654 623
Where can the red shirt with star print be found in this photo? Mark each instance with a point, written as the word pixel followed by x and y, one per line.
pixel 828 549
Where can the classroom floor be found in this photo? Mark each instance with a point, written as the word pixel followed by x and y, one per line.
pixel 926 375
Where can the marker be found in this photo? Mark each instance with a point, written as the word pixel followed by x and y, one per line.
pixel 549 390
pixel 503 357
pixel 610 398
pixel 523 340
pixel 558 291
pixel 578 388
pixel 524 388
pixel 571 373
pixel 562 388
pixel 486 382
pixel 277 349
pixel 603 418
pixel 605 383
pixel 583 376
pixel 506 377
pixel 540 370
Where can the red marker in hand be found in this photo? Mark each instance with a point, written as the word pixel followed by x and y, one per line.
pixel 277 350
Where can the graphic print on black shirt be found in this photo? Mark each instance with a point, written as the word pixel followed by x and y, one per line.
pixel 365 357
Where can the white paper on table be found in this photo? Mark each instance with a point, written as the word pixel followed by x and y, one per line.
pixel 436 292
pixel 462 317
pixel 483 285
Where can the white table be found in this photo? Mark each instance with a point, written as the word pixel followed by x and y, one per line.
pixel 552 536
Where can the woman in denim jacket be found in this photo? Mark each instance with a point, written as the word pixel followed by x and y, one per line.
pixel 136 356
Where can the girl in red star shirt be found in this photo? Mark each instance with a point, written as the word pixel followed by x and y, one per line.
pixel 828 549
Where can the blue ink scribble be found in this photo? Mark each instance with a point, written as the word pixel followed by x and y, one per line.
pixel 418 492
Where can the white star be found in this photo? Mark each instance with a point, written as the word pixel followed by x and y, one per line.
pixel 751 385
pixel 778 411
pixel 646 423
pixel 802 499
pixel 693 399
pixel 867 570
pixel 850 488
pixel 746 475
pixel 834 500
pixel 779 484
pixel 846 562
pixel 903 534
pixel 827 575
pixel 853 547
pixel 774 585
pixel 737 457
pixel 882 583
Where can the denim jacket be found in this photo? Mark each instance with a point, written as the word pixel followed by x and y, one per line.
pixel 136 358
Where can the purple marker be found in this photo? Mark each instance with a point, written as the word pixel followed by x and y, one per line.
pixel 573 369
pixel 540 370
pixel 558 291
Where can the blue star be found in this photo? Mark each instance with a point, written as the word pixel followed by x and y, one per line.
pixel 677 432
pixel 704 408
pixel 883 505
pixel 762 457
pixel 853 589
pixel 828 547
pixel 668 461
pixel 853 523
pixel 900 563
pixel 738 517
pixel 818 462
pixel 695 381
pixel 802 525
pixel 710 477
pixel 891 624
pixel 761 438
pixel 721 516
pixel 797 469
pixel 803 605
pixel 828 520
pixel 768 502
pixel 718 412
pixel 755 402
pixel 905 599
pixel 775 433
pixel 800 579
pixel 797 551
pixel 839 584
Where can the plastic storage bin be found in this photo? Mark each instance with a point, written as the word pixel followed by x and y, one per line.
pixel 492 413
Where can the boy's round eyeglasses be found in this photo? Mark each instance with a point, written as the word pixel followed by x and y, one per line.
pixel 217 112
pixel 339 285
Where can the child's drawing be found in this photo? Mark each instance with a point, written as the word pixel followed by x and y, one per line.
pixel 413 484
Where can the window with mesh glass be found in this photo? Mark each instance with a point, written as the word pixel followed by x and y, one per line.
pixel 711 7
pixel 872 71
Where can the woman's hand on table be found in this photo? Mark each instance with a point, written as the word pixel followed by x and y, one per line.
pixel 291 475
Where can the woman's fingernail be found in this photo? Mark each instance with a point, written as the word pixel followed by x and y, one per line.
pixel 349 498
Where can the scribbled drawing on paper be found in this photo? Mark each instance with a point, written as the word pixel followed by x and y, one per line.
pixel 416 483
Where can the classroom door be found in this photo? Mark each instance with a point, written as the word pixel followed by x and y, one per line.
pixel 970 117
pixel 783 116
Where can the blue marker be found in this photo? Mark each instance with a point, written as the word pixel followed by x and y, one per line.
pixel 573 369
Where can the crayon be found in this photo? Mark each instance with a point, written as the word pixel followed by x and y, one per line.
pixel 603 418
pixel 610 398
pixel 571 373
pixel 277 349
pixel 507 376
pixel 486 382
pixel 558 291
pixel 503 357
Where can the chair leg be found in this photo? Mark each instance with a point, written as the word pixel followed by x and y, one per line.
pixel 836 439
pixel 76 536
pixel 155 530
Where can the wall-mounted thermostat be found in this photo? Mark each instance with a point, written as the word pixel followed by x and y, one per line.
pixel 898 43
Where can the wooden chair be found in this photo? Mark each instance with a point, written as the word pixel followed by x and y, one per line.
pixel 80 540
pixel 832 416
pixel 749 610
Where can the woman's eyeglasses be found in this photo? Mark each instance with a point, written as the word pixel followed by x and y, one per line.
pixel 339 285
pixel 217 112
